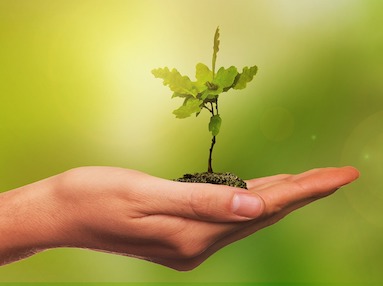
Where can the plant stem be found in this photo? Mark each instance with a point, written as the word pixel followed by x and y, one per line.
pixel 208 108
pixel 212 108
pixel 210 169
pixel 213 141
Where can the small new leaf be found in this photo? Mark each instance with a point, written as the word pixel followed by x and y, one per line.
pixel 245 77
pixel 215 49
pixel 215 124
pixel 190 106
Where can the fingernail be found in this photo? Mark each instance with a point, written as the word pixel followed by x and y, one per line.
pixel 247 205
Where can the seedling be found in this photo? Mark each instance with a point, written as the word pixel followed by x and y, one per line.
pixel 205 91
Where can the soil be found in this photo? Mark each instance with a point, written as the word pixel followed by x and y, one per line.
pixel 228 179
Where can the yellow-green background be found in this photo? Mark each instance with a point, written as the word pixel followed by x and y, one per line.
pixel 76 89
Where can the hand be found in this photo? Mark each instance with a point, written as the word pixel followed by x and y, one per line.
pixel 131 213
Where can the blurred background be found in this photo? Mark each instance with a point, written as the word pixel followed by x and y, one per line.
pixel 76 89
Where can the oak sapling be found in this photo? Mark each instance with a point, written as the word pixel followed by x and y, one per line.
pixel 204 94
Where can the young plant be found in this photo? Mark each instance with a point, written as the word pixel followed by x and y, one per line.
pixel 205 91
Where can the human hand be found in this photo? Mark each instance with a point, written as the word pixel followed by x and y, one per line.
pixel 175 224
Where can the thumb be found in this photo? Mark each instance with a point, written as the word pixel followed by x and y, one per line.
pixel 206 202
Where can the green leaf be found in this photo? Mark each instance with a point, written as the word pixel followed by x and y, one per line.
pixel 215 49
pixel 189 107
pixel 208 94
pixel 175 94
pixel 245 77
pixel 205 94
pixel 215 124
pixel 225 77
pixel 203 75
pixel 176 82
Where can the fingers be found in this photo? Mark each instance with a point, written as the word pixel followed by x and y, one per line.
pixel 283 194
pixel 253 183
pixel 321 180
pixel 308 186
pixel 206 202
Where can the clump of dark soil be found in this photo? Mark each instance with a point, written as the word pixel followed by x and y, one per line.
pixel 228 179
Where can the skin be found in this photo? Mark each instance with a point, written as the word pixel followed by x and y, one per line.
pixel 130 213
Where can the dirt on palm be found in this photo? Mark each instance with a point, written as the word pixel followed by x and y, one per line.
pixel 228 179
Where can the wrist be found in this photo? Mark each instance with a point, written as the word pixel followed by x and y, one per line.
pixel 29 221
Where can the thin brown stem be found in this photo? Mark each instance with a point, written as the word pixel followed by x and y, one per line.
pixel 211 111
pixel 210 169
pixel 212 108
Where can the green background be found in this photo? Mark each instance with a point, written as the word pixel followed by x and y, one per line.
pixel 76 89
